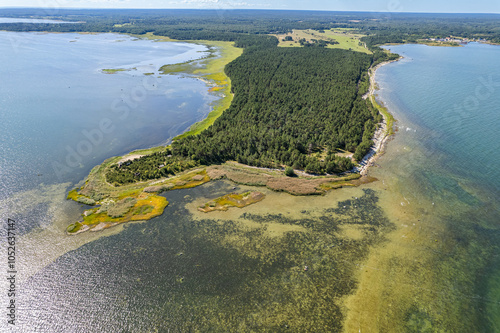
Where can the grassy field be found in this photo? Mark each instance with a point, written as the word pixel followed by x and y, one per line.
pixel 347 39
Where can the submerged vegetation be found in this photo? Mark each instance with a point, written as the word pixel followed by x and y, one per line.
pixel 274 281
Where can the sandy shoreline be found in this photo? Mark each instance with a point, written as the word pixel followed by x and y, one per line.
pixel 381 135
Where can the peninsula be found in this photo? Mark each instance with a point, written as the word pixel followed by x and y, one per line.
pixel 313 123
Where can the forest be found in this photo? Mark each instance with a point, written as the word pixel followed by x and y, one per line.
pixel 223 24
pixel 292 107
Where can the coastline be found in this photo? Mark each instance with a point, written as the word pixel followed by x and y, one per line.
pixel 140 201
pixel 211 72
pixel 394 282
pixel 385 129
pixel 418 280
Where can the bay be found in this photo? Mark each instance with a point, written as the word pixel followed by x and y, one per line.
pixel 62 115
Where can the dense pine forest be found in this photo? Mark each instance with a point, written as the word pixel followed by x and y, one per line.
pixel 289 103
pixel 291 106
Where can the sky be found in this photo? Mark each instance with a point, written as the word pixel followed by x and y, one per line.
pixel 428 6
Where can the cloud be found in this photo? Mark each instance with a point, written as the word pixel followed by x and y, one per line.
pixel 208 4
pixel 92 1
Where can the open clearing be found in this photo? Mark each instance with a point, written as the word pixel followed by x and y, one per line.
pixel 346 39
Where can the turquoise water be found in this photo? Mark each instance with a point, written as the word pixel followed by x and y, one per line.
pixel 455 94
pixel 444 161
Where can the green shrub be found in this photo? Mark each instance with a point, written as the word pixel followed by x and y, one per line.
pixel 289 172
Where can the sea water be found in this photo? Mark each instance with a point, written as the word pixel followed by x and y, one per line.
pixel 62 113
pixel 440 178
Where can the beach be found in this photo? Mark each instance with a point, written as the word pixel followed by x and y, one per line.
pixel 382 134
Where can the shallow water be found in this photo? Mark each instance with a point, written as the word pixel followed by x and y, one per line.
pixel 239 270
pixel 439 185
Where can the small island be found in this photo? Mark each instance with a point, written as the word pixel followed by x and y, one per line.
pixel 136 207
pixel 232 200
pixel 113 70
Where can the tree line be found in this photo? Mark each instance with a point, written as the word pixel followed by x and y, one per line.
pixel 231 24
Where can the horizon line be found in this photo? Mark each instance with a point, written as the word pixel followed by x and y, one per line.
pixel 268 9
